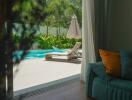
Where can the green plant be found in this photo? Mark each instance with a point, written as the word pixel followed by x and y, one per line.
pixel 46 42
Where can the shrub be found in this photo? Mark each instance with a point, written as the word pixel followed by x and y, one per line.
pixel 46 42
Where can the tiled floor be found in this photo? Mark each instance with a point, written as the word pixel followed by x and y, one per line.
pixel 34 72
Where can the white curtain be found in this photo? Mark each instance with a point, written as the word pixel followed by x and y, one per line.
pixel 87 35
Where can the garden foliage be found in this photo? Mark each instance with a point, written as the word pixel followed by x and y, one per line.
pixel 46 42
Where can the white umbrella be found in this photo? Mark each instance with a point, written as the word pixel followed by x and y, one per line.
pixel 74 30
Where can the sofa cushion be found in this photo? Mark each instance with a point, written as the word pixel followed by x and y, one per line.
pixel 126 64
pixel 98 69
pixel 111 61
pixel 122 84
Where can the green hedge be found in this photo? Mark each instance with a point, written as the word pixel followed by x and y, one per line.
pixel 46 42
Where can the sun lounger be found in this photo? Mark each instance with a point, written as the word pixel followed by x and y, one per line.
pixel 71 54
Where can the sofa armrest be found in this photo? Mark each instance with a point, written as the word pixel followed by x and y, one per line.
pixel 95 70
pixel 89 80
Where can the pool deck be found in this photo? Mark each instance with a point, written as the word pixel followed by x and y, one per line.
pixel 34 72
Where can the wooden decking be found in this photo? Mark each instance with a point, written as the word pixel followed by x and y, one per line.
pixel 71 91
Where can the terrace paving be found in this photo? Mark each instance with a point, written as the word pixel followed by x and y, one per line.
pixel 34 72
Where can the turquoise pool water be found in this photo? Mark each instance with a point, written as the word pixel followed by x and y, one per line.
pixel 31 54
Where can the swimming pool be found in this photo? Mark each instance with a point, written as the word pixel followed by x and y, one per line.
pixel 31 54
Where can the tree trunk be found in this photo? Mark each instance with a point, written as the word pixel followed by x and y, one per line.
pixel 6 64
pixel 57 32
pixel 9 60
pixel 2 54
pixel 47 33
pixel 59 29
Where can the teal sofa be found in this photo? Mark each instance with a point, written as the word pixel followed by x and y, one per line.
pixel 100 86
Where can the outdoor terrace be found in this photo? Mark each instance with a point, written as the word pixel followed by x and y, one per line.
pixel 30 73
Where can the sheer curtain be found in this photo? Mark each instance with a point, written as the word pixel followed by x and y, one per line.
pixel 96 20
pixel 88 48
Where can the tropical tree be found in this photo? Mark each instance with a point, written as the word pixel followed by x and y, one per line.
pixel 6 48
pixel 29 13
pixel 62 10
pixel 56 9
pixel 50 20
pixel 77 8
pixel 21 11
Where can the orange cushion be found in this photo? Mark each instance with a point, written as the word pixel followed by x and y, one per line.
pixel 111 61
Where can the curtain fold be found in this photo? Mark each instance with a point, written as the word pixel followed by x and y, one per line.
pixel 101 23
pixel 87 35
pixel 95 31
